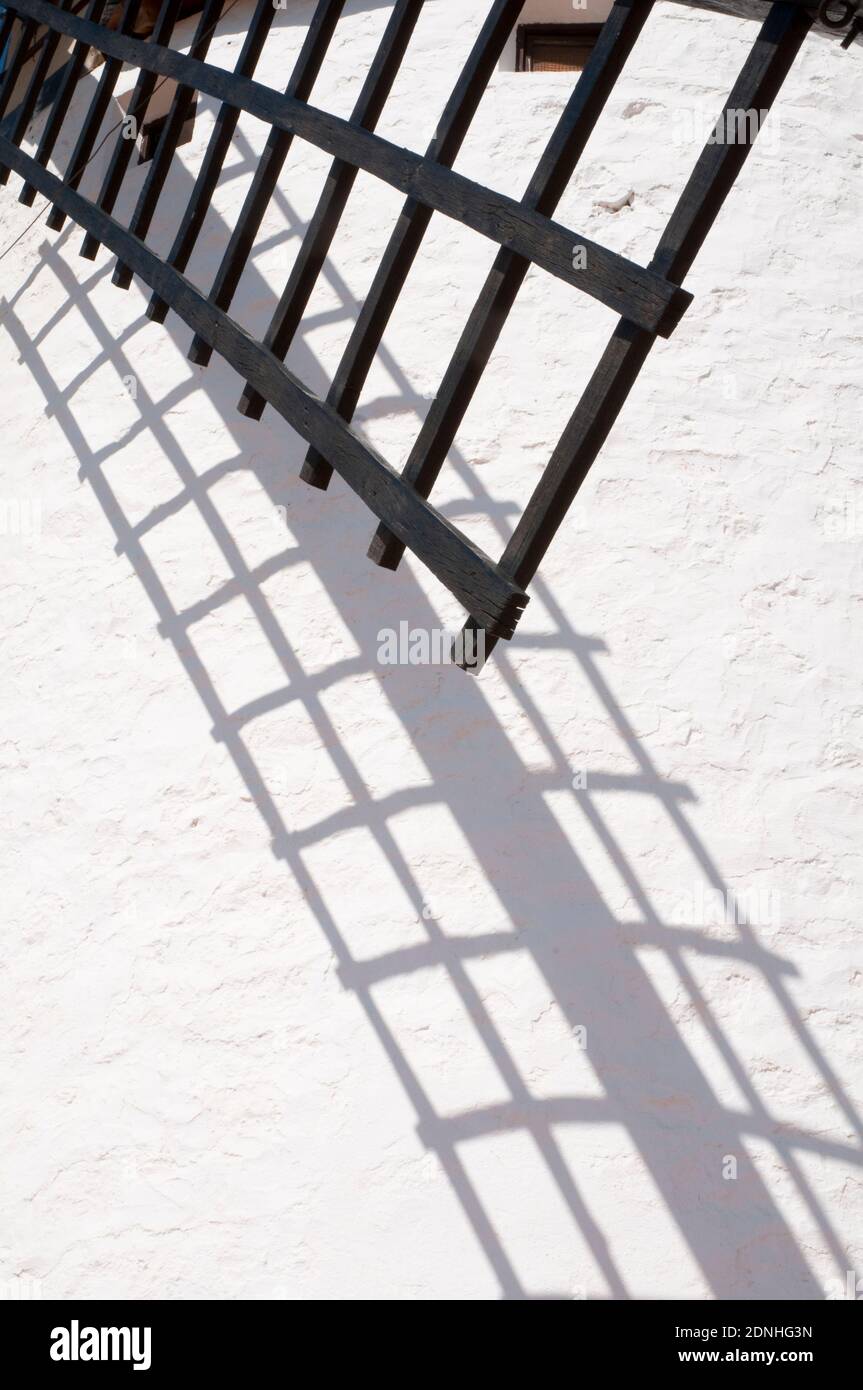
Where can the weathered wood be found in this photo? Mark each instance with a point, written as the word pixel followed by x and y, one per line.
pixel 211 166
pixel 334 198
pixel 60 106
pixel 645 298
pixel 98 108
pixel 121 154
pixel 498 295
pixel 181 106
pixel 469 574
pixel 24 113
pixel 757 87
pixel 318 38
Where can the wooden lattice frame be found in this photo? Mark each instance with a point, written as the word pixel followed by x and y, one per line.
pixel 650 300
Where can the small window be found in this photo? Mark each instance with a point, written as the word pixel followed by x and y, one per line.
pixel 555 47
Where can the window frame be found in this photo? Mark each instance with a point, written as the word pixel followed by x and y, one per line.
pixel 526 32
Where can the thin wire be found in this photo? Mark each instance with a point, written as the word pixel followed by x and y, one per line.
pixel 206 34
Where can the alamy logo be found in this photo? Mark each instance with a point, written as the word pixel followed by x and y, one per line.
pixel 734 127
pixel 712 907
pixel 419 646
pixel 21 516
pixel 76 1343
pixel 851 1289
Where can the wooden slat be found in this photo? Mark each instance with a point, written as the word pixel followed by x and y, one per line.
pixel 139 101
pixel 211 166
pixel 318 38
pixel 98 108
pixel 334 198
pixel 646 298
pixel 498 295
pixel 469 574
pixel 24 113
pixel 60 106
pixel 757 87
pixel 181 106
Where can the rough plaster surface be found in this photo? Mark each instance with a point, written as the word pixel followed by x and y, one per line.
pixel 328 980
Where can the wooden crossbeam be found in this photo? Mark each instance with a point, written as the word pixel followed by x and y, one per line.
pixel 760 80
pixel 507 275
pixel 60 106
pixel 334 198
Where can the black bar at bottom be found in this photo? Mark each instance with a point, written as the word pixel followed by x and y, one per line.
pixel 235 1337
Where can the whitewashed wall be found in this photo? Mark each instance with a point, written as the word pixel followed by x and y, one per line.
pixel 325 980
